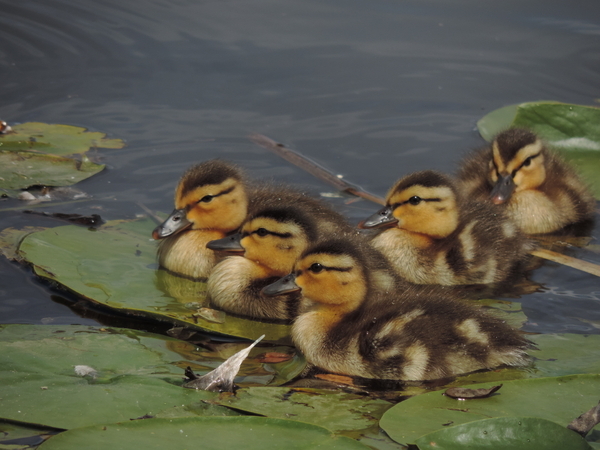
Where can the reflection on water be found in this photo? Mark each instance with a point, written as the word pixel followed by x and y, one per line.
pixel 372 91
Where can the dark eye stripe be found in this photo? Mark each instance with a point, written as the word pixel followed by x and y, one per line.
pixel 226 191
pixel 338 269
pixel 530 158
pixel 396 205
pixel 273 233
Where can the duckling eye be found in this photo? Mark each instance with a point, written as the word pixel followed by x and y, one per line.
pixel 316 268
pixel 527 162
pixel 206 199
pixel 414 200
pixel 262 232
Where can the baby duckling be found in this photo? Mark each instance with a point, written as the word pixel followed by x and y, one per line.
pixel 540 191
pixel 352 326
pixel 271 241
pixel 211 201
pixel 433 236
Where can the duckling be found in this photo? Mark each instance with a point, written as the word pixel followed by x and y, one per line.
pixel 211 201
pixel 271 240
pixel 538 189
pixel 433 236
pixel 352 326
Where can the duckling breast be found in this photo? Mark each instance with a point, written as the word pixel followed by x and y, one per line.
pixel 235 286
pixel 186 254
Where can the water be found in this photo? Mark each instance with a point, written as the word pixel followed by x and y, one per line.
pixel 372 90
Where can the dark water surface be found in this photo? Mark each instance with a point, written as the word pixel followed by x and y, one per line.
pixel 372 90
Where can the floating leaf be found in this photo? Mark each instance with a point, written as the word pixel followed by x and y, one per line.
pixel 116 266
pixel 564 354
pixel 10 239
pixel 510 312
pixel 36 154
pixel 56 139
pixel 333 410
pixel 504 433
pixel 558 399
pixel 570 129
pixel 134 374
pixel 20 170
pixel 203 432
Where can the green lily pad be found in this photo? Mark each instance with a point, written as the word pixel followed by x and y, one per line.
pixel 20 170
pixel 115 266
pixel 565 354
pixel 505 433
pixel 74 376
pixel 36 154
pixel 558 399
pixel 203 432
pixel 334 410
pixel 55 139
pixel 572 130
pixel 510 312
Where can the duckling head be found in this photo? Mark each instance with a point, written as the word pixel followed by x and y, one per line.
pixel 209 196
pixel 332 273
pixel 517 164
pixel 423 202
pixel 276 237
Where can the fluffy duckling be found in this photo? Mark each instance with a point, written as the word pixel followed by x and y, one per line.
pixel 433 236
pixel 538 189
pixel 211 201
pixel 271 241
pixel 352 326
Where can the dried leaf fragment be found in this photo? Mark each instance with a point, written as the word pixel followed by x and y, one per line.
pixel 466 393
pixel 585 422
pixel 220 379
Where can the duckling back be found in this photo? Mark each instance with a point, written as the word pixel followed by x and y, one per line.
pixel 352 326
pixel 539 190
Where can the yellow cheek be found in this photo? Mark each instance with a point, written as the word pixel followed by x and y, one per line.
pixel 530 177
pixel 413 218
pixel 252 246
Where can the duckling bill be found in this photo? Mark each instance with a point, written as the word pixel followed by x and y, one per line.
pixel 349 325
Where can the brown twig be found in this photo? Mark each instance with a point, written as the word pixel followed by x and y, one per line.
pixel 313 168
pixel 150 213
pixel 565 260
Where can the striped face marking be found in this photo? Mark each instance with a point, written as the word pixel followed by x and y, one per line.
pixel 332 280
pixel 428 210
pixel 220 206
pixel 525 168
pixel 273 244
